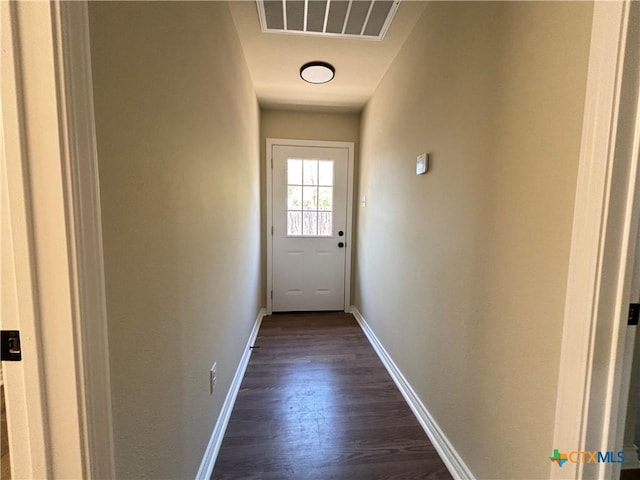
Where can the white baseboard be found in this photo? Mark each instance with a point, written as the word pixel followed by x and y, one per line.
pixel 447 452
pixel 211 453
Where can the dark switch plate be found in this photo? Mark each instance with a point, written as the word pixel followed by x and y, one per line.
pixel 634 312
pixel 10 345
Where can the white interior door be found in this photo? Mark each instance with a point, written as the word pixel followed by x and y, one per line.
pixel 310 193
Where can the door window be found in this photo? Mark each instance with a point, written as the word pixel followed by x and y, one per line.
pixel 309 198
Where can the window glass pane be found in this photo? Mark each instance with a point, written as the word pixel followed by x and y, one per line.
pixel 310 206
pixel 310 223
pixel 325 198
pixel 325 172
pixel 309 198
pixel 294 223
pixel 294 198
pixel 325 227
pixel 310 172
pixel 294 172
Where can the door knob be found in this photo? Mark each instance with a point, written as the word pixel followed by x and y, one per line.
pixel 340 244
pixel 340 233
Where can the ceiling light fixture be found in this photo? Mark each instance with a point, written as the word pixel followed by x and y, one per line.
pixel 317 72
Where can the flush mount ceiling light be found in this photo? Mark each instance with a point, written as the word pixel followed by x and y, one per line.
pixel 317 72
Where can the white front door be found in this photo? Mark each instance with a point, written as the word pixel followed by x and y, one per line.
pixel 310 191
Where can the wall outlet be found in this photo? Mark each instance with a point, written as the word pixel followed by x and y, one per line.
pixel 212 377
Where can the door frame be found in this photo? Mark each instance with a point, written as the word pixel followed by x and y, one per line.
pixel 350 146
pixel 58 396
pixel 606 213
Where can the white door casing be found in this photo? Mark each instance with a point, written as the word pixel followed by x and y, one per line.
pixel 607 210
pixel 307 269
pixel 58 396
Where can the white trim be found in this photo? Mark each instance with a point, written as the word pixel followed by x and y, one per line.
pixel 598 280
pixel 269 226
pixel 211 453
pixel 54 245
pixel 350 146
pixel 623 344
pixel 449 455
pixel 23 381
pixel 350 229
pixel 85 231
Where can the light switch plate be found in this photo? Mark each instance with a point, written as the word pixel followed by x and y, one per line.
pixel 422 164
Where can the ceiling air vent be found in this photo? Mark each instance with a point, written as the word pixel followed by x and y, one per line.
pixel 368 19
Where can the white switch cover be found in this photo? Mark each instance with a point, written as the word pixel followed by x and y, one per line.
pixel 363 202
pixel 422 164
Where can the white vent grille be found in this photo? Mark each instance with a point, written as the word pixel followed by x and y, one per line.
pixel 368 19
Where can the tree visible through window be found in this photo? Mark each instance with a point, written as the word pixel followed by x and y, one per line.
pixel 309 198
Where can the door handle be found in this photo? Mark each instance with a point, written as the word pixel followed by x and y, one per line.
pixel 340 233
pixel 340 244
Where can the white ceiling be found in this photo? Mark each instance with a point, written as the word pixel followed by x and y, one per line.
pixel 274 61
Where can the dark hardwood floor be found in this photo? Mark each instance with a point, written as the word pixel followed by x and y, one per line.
pixel 630 474
pixel 317 403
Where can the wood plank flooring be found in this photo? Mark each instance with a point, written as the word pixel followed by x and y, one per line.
pixel 630 474
pixel 317 403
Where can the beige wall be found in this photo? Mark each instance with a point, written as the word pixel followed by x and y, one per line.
pixel 461 272
pixel 177 129
pixel 300 125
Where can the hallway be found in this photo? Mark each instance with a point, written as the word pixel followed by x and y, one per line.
pixel 317 403
pixel 493 192
pixel 449 268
